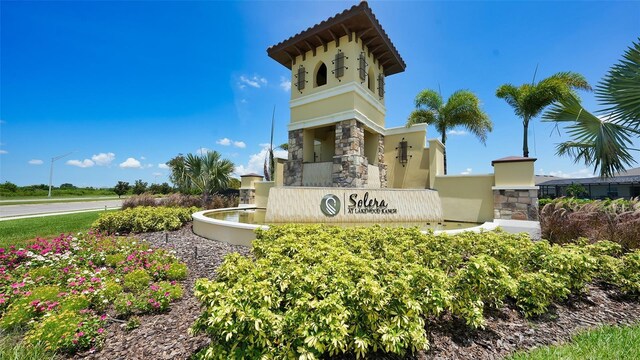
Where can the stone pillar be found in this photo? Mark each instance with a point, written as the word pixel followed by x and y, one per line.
pixel 517 204
pixel 381 164
pixel 515 196
pixel 349 163
pixel 293 166
pixel 248 189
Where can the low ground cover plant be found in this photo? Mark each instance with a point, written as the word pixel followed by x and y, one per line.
pixel 565 219
pixel 312 291
pixel 143 219
pixel 58 292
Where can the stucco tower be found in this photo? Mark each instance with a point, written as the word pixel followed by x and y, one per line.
pixel 338 70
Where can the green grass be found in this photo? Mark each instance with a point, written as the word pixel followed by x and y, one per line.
pixel 605 343
pixel 12 349
pixel 19 232
pixel 45 200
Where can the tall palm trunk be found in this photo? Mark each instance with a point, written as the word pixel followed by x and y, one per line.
pixel 444 152
pixel 525 141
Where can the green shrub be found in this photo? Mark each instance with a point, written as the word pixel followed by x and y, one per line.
pixel 143 219
pixel 114 259
pixel 314 291
pixel 137 280
pixel 66 331
pixel 177 271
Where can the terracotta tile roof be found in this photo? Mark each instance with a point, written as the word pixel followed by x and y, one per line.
pixel 358 20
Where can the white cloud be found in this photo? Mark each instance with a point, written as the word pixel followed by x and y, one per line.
pixel 256 81
pixel 4 152
pixel 202 151
pixel 285 84
pixel 157 174
pixel 467 172
pixel 103 159
pixel 239 144
pixel 224 142
pixel 130 163
pixel 81 164
pixel 35 162
pixel 457 132
pixel 163 166
pixel 573 174
pixel 256 161
pixel 143 158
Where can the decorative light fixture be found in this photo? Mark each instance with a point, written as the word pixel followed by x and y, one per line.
pixel 403 152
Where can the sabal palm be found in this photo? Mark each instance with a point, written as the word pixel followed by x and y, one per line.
pixel 528 100
pixel 208 172
pixel 604 141
pixel 461 109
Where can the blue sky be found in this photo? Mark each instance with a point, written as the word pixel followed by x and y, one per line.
pixel 126 86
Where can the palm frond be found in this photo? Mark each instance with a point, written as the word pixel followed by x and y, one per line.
pixel 510 94
pixel 619 91
pixel 596 142
pixel 422 117
pixel 429 99
pixel 463 109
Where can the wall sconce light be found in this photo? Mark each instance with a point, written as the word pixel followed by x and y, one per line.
pixel 403 152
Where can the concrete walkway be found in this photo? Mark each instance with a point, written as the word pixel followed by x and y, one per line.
pixel 11 212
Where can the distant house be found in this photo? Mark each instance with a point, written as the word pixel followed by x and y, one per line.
pixel 624 185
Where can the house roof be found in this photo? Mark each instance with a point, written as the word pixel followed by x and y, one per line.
pixel 358 21
pixel 617 180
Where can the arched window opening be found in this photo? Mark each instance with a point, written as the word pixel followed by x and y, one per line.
pixel 321 75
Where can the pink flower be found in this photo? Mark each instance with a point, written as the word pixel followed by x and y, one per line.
pixel 103 317
pixel 100 330
pixel 80 334
pixel 154 287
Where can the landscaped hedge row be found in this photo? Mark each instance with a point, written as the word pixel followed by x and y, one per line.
pixel 143 219
pixel 312 291
pixel 61 290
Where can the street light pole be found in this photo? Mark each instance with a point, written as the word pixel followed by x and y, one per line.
pixel 51 169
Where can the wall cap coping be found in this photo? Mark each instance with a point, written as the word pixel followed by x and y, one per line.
pixel 251 175
pixel 515 187
pixel 510 159
pixel 464 176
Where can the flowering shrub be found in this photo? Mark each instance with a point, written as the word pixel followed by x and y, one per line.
pixel 143 219
pixel 60 290
pixel 314 291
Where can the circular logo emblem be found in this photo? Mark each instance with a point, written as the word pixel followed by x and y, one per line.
pixel 330 205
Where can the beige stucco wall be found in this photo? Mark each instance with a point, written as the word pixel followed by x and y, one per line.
pixel 247 182
pixel 519 173
pixel 262 193
pixel 367 102
pixel 466 198
pixel 415 174
pixel 351 49
pixel 323 107
pixel 279 176
pixel 436 161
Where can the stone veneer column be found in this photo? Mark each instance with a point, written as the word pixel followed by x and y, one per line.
pixel 293 166
pixel 515 204
pixel 381 164
pixel 349 163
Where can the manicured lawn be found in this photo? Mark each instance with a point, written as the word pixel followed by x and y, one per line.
pixel 605 343
pixel 44 200
pixel 18 232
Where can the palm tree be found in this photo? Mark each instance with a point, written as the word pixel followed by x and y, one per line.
pixel 461 109
pixel 604 141
pixel 528 100
pixel 208 173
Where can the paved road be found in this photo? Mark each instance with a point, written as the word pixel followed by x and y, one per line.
pixel 31 209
